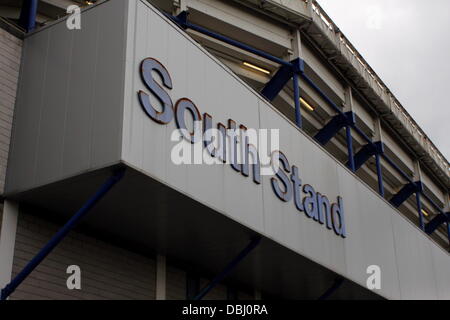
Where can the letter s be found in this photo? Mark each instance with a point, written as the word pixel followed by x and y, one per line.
pixel 286 194
pixel 147 67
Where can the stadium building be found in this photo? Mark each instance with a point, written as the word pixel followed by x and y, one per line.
pixel 86 153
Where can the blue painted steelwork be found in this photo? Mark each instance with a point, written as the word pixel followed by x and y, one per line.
pixel 229 268
pixel 431 201
pixel 59 236
pixel 397 168
pixel 367 151
pixel 182 21
pixel 277 83
pixel 27 19
pixel 280 79
pixel 336 285
pixel 406 192
pixel 436 222
pixel 334 126
pixel 379 174
pixel 321 93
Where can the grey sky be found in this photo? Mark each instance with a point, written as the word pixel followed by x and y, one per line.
pixel 407 43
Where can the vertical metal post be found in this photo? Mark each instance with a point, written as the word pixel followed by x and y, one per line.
pixel 298 114
pixel 379 174
pixel 59 236
pixel 27 19
pixel 351 159
pixel 419 209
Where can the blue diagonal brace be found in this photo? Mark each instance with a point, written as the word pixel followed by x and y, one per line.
pixel 333 126
pixel 406 192
pixel 366 152
pixel 335 286
pixel 27 19
pixel 59 236
pixel 281 78
pixel 229 268
pixel 437 222
pixel 277 83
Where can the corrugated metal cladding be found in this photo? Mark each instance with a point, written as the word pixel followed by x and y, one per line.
pixel 94 120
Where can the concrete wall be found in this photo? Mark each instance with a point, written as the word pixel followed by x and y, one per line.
pixel 10 54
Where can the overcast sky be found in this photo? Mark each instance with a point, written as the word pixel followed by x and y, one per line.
pixel 407 43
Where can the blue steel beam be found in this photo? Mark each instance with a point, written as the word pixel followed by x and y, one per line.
pixel 406 192
pixel 336 285
pixel 277 83
pixel 27 19
pixel 182 21
pixel 334 126
pixel 436 222
pixel 229 268
pixel 367 151
pixel 59 236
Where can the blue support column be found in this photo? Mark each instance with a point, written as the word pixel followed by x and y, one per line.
pixel 59 236
pixel 334 126
pixel 369 150
pixel 351 159
pixel 379 175
pixel 406 192
pixel 436 222
pixel 27 19
pixel 230 267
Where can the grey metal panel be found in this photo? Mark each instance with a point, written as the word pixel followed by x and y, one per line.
pixel 22 157
pixel 370 239
pixel 77 142
pixel 52 117
pixel 441 266
pixel 414 257
pixel 70 100
pixel 107 103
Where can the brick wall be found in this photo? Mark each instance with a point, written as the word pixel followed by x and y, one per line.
pixel 10 53
pixel 107 271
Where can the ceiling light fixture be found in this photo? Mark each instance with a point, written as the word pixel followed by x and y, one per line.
pixel 248 64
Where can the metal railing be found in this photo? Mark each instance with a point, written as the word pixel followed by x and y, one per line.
pixel 399 111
